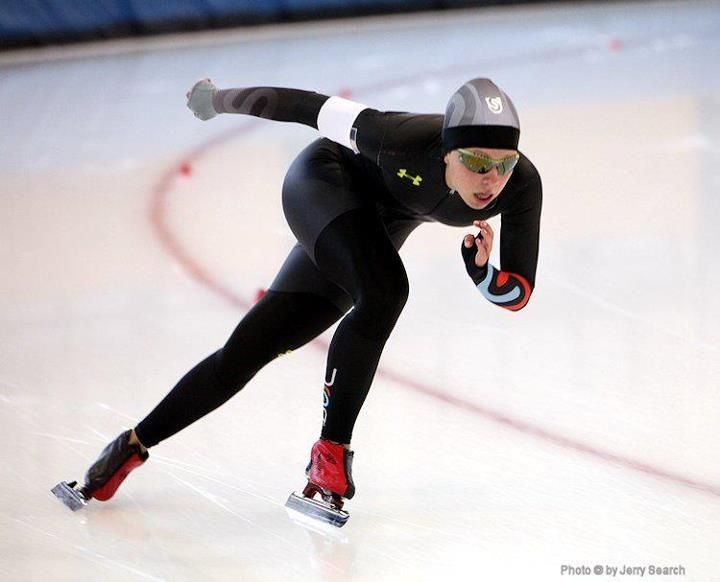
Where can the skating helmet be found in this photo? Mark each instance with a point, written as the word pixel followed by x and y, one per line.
pixel 480 114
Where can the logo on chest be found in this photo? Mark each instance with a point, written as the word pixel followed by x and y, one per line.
pixel 402 173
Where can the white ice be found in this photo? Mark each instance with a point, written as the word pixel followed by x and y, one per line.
pixel 497 446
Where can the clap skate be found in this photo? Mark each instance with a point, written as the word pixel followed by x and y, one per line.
pixel 105 475
pixel 329 475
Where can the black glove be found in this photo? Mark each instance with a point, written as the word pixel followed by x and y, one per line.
pixel 476 273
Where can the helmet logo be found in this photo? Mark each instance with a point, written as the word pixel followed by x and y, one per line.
pixel 494 105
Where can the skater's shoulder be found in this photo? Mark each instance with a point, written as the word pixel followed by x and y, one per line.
pixel 401 131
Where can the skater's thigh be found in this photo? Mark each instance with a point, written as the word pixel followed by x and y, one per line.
pixel 299 305
pixel 299 275
pixel 356 253
pixel 277 323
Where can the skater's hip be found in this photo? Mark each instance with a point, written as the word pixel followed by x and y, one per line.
pixel 325 181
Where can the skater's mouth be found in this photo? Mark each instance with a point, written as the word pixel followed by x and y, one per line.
pixel 483 196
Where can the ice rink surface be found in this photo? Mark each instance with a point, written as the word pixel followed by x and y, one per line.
pixel 581 431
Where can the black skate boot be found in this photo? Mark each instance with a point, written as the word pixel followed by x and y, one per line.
pixel 105 475
pixel 329 476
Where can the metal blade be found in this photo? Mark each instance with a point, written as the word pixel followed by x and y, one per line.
pixel 317 510
pixel 70 496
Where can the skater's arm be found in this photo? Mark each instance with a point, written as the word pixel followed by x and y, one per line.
pixel 503 288
pixel 333 117
pixel 377 135
pixel 511 286
pixel 275 103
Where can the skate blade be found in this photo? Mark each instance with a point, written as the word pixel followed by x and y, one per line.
pixel 317 510
pixel 70 496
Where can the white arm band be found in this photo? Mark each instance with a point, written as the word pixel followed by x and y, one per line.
pixel 336 119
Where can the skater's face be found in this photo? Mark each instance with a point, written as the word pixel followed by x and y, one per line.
pixel 478 189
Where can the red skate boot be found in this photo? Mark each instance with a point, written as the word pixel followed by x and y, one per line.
pixel 105 475
pixel 329 474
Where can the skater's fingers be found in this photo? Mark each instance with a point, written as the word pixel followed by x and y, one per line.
pixel 468 240
pixel 487 233
pixel 481 256
pixel 484 243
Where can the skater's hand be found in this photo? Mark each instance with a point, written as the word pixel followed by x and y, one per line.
pixel 200 99
pixel 476 250
pixel 483 242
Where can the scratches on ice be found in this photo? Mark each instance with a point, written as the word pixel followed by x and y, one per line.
pixel 202 472
pixel 89 554
pixel 60 437
pixel 105 406
pixel 214 499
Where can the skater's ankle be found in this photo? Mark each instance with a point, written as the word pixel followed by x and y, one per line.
pixel 346 445
pixel 134 440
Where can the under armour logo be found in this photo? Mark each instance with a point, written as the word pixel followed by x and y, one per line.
pixel 402 173
pixel 494 105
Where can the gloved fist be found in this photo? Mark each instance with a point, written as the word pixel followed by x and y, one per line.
pixel 200 99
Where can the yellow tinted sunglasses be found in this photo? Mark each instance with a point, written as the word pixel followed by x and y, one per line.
pixel 482 164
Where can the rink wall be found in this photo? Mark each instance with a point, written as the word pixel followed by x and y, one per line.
pixel 37 22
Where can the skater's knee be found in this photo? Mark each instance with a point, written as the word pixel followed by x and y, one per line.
pixel 388 303
pixel 382 301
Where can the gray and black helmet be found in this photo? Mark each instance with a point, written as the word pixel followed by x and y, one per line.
pixel 479 114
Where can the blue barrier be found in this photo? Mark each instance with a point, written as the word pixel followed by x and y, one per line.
pixel 32 22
